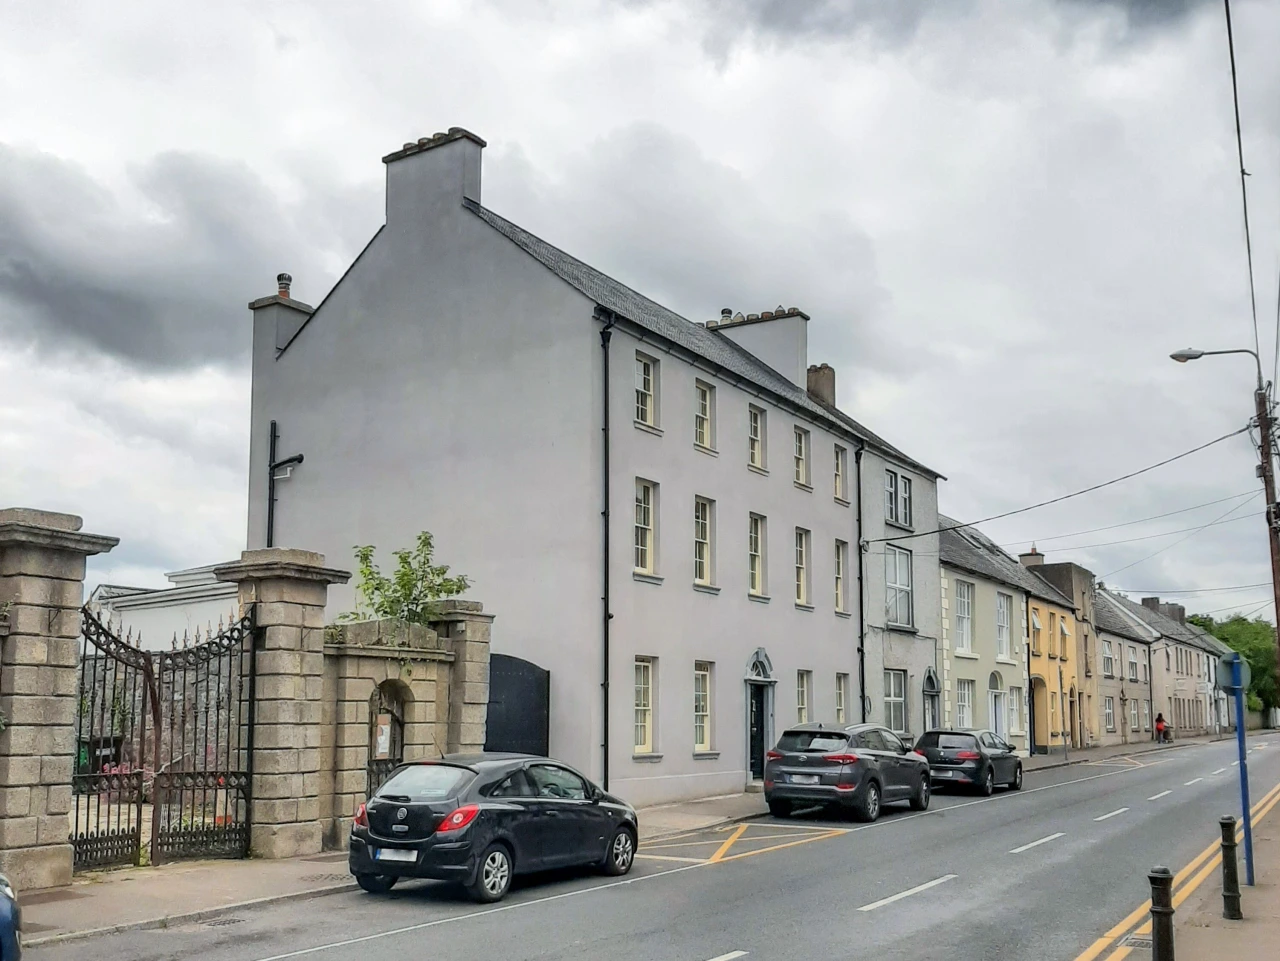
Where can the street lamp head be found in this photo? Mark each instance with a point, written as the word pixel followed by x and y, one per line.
pixel 1186 354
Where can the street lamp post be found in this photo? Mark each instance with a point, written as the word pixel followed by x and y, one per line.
pixel 1263 408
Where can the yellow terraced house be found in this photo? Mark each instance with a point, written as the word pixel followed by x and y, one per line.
pixel 1052 665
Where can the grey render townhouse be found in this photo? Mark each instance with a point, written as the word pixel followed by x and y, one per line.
pixel 1124 673
pixel 985 631
pixel 664 514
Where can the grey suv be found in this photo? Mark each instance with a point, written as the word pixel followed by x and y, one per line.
pixel 856 766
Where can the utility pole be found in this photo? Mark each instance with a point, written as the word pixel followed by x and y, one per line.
pixel 1269 486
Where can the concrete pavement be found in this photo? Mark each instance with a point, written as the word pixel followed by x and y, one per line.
pixel 1039 874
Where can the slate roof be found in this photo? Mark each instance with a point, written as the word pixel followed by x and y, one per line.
pixel 1186 633
pixel 970 550
pixel 711 345
pixel 1108 617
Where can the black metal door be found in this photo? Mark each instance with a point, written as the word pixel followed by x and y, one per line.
pixel 757 730
pixel 519 706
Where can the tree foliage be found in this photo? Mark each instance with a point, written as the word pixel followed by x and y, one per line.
pixel 411 592
pixel 1256 640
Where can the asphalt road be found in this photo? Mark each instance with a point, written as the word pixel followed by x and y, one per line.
pixel 966 880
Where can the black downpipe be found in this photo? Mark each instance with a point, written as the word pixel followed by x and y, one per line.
pixel 605 336
pixel 862 600
pixel 274 465
pixel 1151 697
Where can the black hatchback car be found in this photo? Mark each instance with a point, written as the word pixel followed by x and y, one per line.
pixel 858 766
pixel 972 759
pixel 480 819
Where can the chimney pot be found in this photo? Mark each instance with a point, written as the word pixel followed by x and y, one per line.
pixel 1032 558
pixel 284 282
pixel 767 315
pixel 753 316
pixel 410 146
pixel 726 313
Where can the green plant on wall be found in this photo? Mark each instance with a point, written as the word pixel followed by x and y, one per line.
pixel 411 591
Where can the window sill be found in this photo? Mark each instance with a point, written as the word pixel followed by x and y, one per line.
pixel 706 588
pixel 807 488
pixel 902 527
pixel 709 451
pixel 762 471
pixel 648 428
pixel 648 757
pixel 901 629
pixel 843 614
pixel 968 655
pixel 1007 660
pixel 843 501
pixel 804 607
pixel 705 755
pixel 646 578
pixel 759 598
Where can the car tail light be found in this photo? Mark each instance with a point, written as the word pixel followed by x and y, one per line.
pixel 921 753
pixel 459 819
pixel 967 755
pixel 841 758
pixel 773 756
pixel 362 817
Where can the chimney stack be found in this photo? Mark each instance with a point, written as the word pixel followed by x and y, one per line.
pixel 284 282
pixel 1175 612
pixel 1032 558
pixel 822 383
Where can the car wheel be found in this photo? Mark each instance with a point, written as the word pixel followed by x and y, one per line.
pixel 1016 784
pixel 493 875
pixel 867 808
pixel 988 785
pixel 920 799
pixel 621 854
pixel 780 809
pixel 376 883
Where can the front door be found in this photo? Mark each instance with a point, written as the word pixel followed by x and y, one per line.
pixel 755 723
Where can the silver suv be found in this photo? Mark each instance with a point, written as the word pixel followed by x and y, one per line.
pixel 857 767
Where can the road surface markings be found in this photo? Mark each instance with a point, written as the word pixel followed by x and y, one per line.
pixel 730 956
pixel 910 891
pixel 1157 797
pixel 1112 814
pixel 1142 911
pixel 670 857
pixel 1235 763
pixel 1219 771
pixel 1035 844
pixel 721 851
pixel 1194 780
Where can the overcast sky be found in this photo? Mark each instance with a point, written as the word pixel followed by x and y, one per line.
pixel 1001 216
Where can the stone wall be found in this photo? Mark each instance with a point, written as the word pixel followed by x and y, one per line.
pixel 437 675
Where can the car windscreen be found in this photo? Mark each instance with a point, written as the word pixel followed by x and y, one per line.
pixel 957 742
pixel 426 782
pixel 812 741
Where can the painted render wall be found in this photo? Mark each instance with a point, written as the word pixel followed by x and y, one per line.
pixel 447 384
pixel 982 659
pixel 1121 689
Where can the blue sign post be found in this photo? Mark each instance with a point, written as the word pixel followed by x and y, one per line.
pixel 1239 681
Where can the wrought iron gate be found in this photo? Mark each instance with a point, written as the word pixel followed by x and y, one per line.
pixel 165 740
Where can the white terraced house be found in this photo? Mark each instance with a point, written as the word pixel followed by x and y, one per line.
pixel 663 514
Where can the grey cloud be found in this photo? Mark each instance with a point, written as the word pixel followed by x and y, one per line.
pixel 159 277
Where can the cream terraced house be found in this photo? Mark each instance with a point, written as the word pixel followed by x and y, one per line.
pixel 665 515
pixel 985 630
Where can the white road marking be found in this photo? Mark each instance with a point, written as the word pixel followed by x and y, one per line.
pixel 1112 814
pixel 730 956
pixel 1235 763
pixel 906 894
pixel 1194 780
pixel 1033 844
pixel 1157 797
pixel 1220 770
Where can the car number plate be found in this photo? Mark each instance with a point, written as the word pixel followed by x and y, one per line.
pixel 804 779
pixel 942 774
pixel 396 854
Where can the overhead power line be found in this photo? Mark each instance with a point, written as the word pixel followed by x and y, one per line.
pixel 1234 607
pixel 1141 520
pixel 1244 189
pixel 1152 537
pixel 1149 591
pixel 1180 540
pixel 1058 500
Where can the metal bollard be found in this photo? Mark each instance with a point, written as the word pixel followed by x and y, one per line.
pixel 1230 871
pixel 1161 914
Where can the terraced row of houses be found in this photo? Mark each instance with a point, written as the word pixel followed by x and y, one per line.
pixel 688 545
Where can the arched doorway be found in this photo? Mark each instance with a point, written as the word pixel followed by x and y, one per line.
pixel 932 700
pixel 1039 716
pixel 1075 741
pixel 760 683
pixel 386 733
pixel 997 704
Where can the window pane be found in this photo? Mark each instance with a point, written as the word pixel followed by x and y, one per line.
pixel 890 495
pixel 904 501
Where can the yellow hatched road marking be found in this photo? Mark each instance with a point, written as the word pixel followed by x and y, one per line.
pixel 779 847
pixel 728 843
pixel 1118 953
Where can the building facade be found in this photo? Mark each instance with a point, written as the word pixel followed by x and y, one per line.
pixel 197 604
pixel 1076 583
pixel 1124 674
pixel 985 616
pixel 1051 631
pixel 665 515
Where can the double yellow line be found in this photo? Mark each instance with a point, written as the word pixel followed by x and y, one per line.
pixel 1200 867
